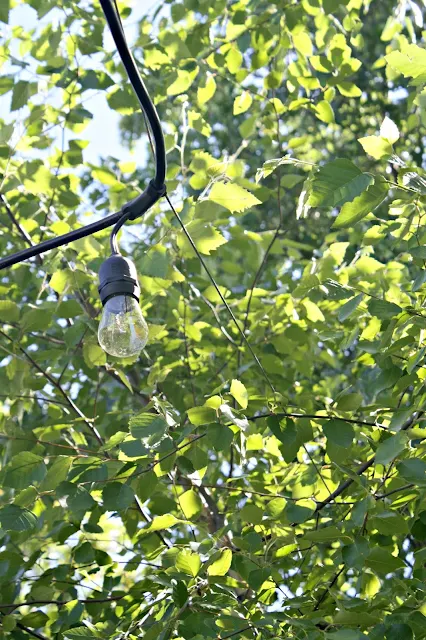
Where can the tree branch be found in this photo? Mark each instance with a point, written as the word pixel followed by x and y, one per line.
pixel 327 590
pixel 364 466
pixel 80 414
pixel 58 603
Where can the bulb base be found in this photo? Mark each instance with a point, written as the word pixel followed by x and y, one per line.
pixel 118 277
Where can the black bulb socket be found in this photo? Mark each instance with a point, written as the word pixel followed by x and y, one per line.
pixel 118 277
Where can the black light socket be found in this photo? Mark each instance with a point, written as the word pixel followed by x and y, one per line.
pixel 118 277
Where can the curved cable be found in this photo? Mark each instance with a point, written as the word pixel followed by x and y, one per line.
pixel 154 190
pixel 113 242
pixel 116 28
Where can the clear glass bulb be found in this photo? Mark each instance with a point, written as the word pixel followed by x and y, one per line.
pixel 122 331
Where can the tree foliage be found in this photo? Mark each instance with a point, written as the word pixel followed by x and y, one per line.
pixel 259 471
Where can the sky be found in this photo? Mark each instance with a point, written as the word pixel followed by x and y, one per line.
pixel 103 131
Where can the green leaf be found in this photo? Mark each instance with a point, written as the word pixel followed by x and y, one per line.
pixel 188 562
pixel 339 432
pixel 79 499
pixel 221 565
pixel 232 197
pixel 418 252
pixel 36 319
pixel 146 485
pixel 82 633
pixel 206 93
pixel 4 17
pixel 413 470
pixel 56 473
pixel 239 392
pixel 202 415
pixel 349 90
pixel 337 182
pixel 388 523
pixel 308 283
pixel 300 511
pixel 349 307
pixel 389 130
pixel 8 623
pixel 22 92
pixel 155 263
pixel 180 593
pixel 182 82
pixel 399 632
pixel 327 534
pixel 9 311
pixel 234 60
pixel 251 513
pixel 145 425
pixel 160 523
pixel 24 469
pixel 391 448
pixel 14 518
pixel 59 281
pixel 35 619
pixel 324 112
pixel 257 577
pixel 367 202
pixel 382 561
pixel 191 504
pixel 376 146
pixel 383 309
pixel 358 618
pixel 411 62
pixel 94 355
pixel 105 177
pixel 242 103
pixel 117 496
pixel 354 555
pixel 349 402
pixel 205 237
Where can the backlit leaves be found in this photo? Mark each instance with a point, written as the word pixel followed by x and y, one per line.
pixel 367 202
pixel 190 493
pixel 338 182
pixel 239 392
pixel 232 197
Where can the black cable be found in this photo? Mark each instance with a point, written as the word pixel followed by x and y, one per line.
pixel 155 189
pixel 149 112
pixel 115 25
pixel 59 241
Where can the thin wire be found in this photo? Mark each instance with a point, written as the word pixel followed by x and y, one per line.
pixel 212 280
pixel 228 308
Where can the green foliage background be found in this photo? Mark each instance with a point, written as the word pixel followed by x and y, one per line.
pixel 196 493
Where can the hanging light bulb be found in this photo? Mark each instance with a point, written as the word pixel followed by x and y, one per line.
pixel 122 331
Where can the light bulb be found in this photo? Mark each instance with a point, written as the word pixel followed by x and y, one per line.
pixel 122 331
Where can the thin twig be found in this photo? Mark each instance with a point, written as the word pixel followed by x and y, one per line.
pixel 327 590
pixel 80 414
pixel 390 493
pixel 58 603
pixel 363 467
pixel 316 416
pixel 23 233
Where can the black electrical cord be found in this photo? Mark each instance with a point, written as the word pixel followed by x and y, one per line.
pixel 114 23
pixel 156 187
